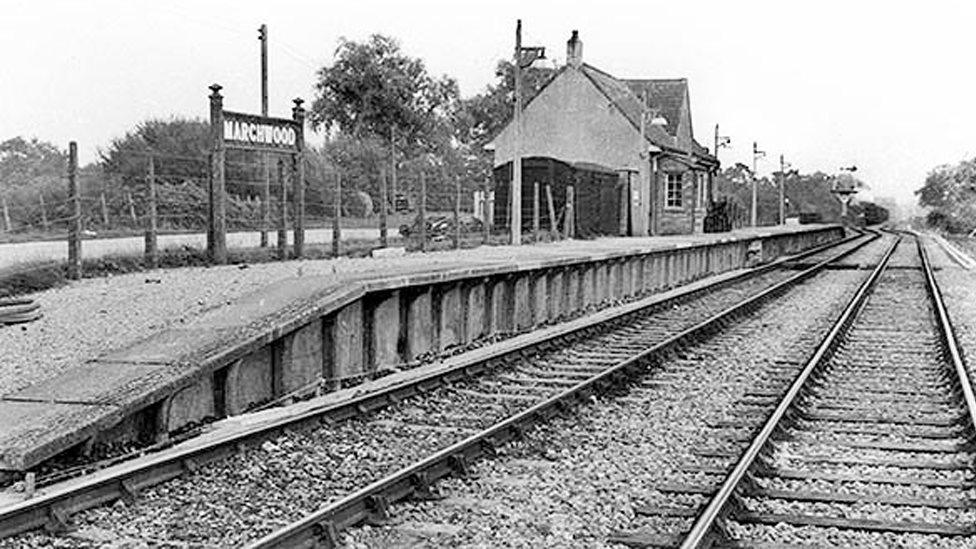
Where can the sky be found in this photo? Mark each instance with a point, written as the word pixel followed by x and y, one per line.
pixel 885 86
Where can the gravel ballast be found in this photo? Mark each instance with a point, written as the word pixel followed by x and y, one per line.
pixel 247 495
pixel 575 481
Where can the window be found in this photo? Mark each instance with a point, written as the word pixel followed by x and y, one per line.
pixel 701 196
pixel 673 195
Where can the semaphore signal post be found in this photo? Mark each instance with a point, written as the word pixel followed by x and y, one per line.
pixel 253 132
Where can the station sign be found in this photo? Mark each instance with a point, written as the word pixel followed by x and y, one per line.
pixel 248 131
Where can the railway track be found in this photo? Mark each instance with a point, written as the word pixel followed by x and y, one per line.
pixel 389 434
pixel 872 445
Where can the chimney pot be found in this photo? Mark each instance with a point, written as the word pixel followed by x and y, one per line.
pixel 574 50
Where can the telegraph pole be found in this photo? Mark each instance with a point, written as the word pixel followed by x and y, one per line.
pixel 756 155
pixel 516 190
pixel 266 157
pixel 782 190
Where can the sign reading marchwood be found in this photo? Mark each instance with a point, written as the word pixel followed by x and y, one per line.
pixel 247 131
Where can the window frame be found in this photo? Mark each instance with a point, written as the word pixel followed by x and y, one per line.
pixel 701 190
pixel 670 204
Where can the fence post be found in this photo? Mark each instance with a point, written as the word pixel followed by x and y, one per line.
pixel 132 206
pixel 298 159
pixel 217 222
pixel 74 229
pixel 43 212
pixel 265 209
pixel 282 211
pixel 535 212
pixel 152 251
pixel 101 198
pixel 6 215
pixel 487 211
pixel 422 212
pixel 569 224
pixel 553 229
pixel 336 225
pixel 457 212
pixel 384 204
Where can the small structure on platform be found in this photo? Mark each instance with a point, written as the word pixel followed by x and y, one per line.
pixel 625 145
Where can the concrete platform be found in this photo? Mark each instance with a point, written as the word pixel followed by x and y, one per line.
pixel 309 334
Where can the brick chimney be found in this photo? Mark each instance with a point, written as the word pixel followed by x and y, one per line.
pixel 574 50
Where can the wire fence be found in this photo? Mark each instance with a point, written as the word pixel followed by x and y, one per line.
pixel 144 203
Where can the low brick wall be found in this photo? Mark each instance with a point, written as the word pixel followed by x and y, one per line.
pixel 302 336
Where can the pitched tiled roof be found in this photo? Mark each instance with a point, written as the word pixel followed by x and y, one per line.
pixel 623 97
pixel 667 96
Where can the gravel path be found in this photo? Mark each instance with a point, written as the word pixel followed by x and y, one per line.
pixel 575 481
pixel 93 316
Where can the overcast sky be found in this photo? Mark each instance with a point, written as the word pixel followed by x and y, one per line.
pixel 887 86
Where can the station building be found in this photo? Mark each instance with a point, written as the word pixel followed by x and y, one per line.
pixel 584 128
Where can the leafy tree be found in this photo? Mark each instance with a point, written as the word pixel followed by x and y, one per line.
pixel 30 169
pixel 30 163
pixel 374 87
pixel 950 194
pixel 487 113
pixel 805 193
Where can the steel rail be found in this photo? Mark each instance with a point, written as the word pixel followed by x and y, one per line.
pixel 948 334
pixel 703 530
pixel 321 528
pixel 53 509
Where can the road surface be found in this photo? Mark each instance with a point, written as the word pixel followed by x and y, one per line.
pixel 21 252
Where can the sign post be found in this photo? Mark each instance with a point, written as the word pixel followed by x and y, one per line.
pixel 298 163
pixel 264 134
pixel 217 222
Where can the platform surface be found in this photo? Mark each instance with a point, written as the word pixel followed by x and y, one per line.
pixel 95 385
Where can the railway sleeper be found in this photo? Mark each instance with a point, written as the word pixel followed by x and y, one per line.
pixel 855 524
pixel 884 462
pixel 856 427
pixel 846 498
pixel 796 474
pixel 816 415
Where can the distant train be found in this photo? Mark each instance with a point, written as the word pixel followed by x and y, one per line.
pixel 863 213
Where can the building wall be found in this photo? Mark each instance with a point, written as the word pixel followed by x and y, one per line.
pixel 690 217
pixel 572 121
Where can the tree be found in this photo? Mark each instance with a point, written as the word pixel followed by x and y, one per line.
pixel 180 146
pixel 31 171
pixel 486 114
pixel 950 194
pixel 806 193
pixel 373 88
pixel 30 163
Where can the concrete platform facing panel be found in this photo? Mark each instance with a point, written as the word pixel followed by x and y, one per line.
pixel 249 381
pixel 540 299
pixel 502 305
pixel 384 329
pixel 476 310
pixel 450 313
pixel 522 301
pixel 419 323
pixel 346 337
pixel 587 286
pixel 555 289
pixel 301 358
pixel 189 405
pixel 572 282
